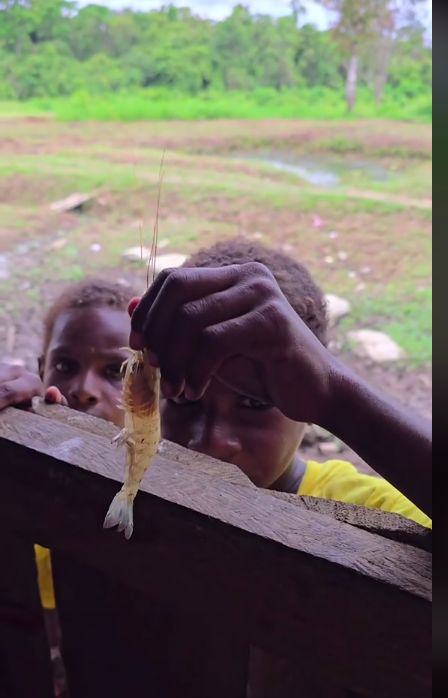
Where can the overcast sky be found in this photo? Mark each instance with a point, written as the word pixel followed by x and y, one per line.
pixel 218 9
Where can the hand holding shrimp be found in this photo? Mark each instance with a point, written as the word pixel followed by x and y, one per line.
pixel 235 324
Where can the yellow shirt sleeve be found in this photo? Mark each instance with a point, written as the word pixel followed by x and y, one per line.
pixel 339 480
pixel 45 577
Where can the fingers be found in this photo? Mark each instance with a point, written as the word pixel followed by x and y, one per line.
pixel 54 396
pixel 173 288
pixel 177 320
pixel 237 337
pixel 9 372
pixel 178 347
pixel 20 389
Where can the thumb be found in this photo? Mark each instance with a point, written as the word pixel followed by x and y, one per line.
pixel 54 396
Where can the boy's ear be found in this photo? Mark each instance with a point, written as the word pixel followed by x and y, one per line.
pixel 41 364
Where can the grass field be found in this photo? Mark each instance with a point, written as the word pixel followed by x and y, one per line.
pixel 317 103
pixel 367 240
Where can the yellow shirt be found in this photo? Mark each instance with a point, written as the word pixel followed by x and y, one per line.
pixel 45 577
pixel 339 480
pixel 334 479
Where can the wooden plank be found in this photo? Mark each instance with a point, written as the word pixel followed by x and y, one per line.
pixel 269 569
pixel 25 666
pixel 118 644
pixel 276 677
pixel 385 524
pixel 75 202
pixel 109 647
pixel 226 502
pixel 170 451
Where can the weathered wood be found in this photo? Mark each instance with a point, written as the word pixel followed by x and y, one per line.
pixel 109 646
pixel 280 574
pixel 25 666
pixel 73 202
pixel 385 524
pixel 170 451
pixel 117 644
pixel 227 502
pixel 136 648
pixel 276 677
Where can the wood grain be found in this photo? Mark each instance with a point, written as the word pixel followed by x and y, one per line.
pixel 385 524
pixel 293 581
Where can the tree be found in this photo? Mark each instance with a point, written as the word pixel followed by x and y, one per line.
pixel 27 22
pixel 233 49
pixel 317 58
pixel 354 27
pixel 362 23
pixel 400 19
pixel 55 47
pixel 90 31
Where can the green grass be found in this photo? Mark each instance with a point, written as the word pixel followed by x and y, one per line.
pixel 405 313
pixel 163 105
pixel 56 176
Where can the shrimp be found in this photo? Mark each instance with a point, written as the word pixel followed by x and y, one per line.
pixel 141 433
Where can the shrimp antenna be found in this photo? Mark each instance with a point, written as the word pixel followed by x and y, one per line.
pixel 151 267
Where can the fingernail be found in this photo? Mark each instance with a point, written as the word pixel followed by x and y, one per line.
pixel 133 303
pixel 51 395
pixel 167 389
pixel 136 341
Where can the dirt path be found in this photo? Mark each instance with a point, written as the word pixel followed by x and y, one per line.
pixel 425 204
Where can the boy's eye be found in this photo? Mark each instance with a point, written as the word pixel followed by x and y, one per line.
pixel 250 403
pixel 113 372
pixel 65 366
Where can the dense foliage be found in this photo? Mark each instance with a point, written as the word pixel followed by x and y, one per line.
pixel 51 48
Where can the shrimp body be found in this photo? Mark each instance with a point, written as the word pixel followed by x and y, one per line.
pixel 141 435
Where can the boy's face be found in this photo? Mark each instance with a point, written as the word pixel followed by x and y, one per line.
pixel 254 436
pixel 84 359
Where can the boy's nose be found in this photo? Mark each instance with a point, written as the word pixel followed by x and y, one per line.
pixel 84 392
pixel 216 441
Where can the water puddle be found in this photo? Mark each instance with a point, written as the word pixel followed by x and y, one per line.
pixel 321 170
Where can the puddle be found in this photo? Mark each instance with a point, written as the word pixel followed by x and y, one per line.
pixel 321 170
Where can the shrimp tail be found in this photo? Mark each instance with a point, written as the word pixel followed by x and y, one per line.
pixel 121 513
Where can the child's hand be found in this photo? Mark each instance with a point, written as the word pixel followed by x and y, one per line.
pixel 235 324
pixel 18 386
pixel 54 396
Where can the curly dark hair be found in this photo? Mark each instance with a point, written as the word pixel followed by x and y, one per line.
pixel 294 279
pixel 90 293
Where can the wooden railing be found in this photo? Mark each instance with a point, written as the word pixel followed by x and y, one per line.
pixel 223 591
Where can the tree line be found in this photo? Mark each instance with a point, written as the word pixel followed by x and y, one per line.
pixel 51 48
